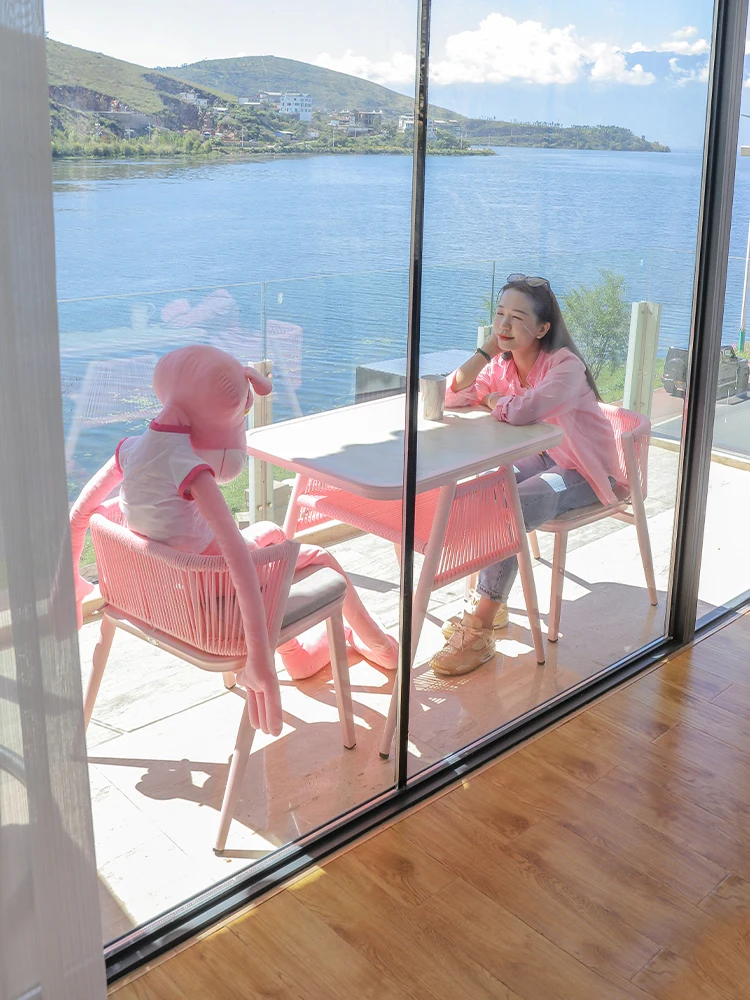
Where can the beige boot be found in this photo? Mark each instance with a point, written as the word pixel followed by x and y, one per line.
pixel 501 617
pixel 469 646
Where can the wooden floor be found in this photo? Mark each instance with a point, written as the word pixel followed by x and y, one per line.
pixel 609 858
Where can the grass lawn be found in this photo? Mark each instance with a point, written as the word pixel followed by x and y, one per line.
pixel 611 382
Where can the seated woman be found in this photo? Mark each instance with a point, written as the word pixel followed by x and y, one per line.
pixel 530 370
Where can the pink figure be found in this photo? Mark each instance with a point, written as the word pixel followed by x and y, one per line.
pixel 169 492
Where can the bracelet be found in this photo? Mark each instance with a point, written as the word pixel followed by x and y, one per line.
pixel 483 353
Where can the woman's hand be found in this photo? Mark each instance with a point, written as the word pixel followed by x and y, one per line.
pixel 491 346
pixel 466 375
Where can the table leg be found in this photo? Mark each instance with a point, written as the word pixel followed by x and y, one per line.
pixel 421 599
pixel 292 511
pixel 527 573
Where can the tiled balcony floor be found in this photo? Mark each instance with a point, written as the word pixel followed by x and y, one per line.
pixel 163 731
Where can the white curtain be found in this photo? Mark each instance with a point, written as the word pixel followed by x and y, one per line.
pixel 50 937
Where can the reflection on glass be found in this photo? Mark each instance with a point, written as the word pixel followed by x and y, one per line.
pixel 724 575
pixel 610 223
pixel 218 232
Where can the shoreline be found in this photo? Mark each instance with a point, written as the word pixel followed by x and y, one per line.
pixel 262 155
pixel 259 155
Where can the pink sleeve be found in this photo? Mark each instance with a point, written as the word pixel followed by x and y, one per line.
pixel 259 675
pixel 488 380
pixel 560 390
pixel 184 488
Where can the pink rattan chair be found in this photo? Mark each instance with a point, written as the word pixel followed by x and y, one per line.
pixel 187 605
pixel 477 535
pixel 632 433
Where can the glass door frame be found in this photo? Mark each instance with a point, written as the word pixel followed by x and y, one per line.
pixel 716 194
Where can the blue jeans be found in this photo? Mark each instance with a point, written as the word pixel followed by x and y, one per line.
pixel 545 491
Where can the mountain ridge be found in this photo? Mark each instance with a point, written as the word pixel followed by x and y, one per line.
pixel 330 90
pixel 85 86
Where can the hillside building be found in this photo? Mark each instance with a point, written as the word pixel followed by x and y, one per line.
pixel 406 124
pixel 451 126
pixel 270 98
pixel 366 119
pixel 296 104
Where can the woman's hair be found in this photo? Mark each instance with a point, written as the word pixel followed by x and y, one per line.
pixel 547 310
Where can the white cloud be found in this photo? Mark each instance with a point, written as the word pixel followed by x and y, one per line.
pixel 399 69
pixel 685 76
pixel 501 49
pixel 611 66
pixel 677 43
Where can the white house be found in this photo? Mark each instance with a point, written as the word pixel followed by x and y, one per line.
pixel 270 98
pixel 296 104
pixel 452 126
pixel 406 124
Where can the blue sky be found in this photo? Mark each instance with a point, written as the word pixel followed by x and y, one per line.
pixel 637 63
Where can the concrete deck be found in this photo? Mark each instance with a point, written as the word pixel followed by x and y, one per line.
pixel 163 731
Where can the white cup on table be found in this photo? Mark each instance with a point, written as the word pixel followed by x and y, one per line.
pixel 432 390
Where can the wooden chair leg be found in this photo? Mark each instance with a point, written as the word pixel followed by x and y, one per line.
pixel 340 669
pixel 390 724
pixel 99 662
pixel 292 511
pixel 644 544
pixel 558 579
pixel 534 545
pixel 639 516
pixel 243 743
pixel 230 679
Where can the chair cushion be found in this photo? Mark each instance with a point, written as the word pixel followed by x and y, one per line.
pixel 311 590
pixel 583 515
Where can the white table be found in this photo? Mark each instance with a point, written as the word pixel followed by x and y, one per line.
pixel 360 448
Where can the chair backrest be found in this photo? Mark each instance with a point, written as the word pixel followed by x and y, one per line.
pixel 481 530
pixel 190 597
pixel 632 433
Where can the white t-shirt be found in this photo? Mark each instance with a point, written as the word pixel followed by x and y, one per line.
pixel 157 469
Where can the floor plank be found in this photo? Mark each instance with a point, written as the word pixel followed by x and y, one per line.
pixel 608 859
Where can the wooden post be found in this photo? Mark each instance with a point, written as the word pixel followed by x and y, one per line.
pixel 260 475
pixel 644 340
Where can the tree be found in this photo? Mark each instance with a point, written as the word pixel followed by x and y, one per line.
pixel 599 321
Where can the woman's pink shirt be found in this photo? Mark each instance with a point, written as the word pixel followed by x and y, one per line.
pixel 557 392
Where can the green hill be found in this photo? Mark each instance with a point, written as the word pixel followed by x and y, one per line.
pixel 549 136
pixel 99 101
pixel 88 82
pixel 330 90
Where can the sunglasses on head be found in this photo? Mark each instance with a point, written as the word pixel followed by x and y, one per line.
pixel 528 280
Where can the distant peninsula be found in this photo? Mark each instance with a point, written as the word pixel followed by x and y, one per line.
pixel 265 106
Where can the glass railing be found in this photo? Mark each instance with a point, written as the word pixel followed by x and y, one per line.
pixel 333 339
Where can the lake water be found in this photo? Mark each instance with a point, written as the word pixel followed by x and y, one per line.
pixel 306 261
